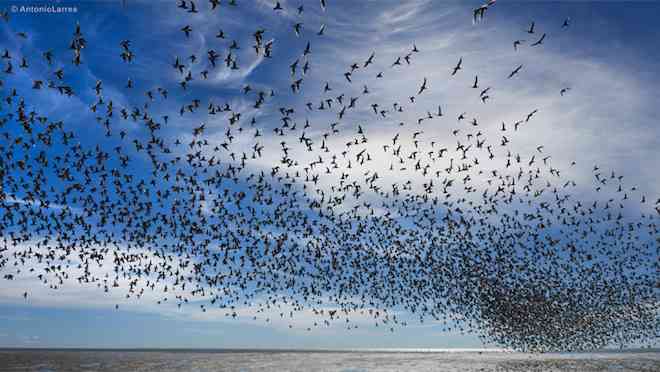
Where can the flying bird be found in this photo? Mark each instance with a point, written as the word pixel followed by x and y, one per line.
pixel 515 71
pixel 531 28
pixel 540 41
pixel 517 43
pixel 422 87
pixel 457 67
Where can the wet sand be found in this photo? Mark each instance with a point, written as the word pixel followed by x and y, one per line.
pixel 187 360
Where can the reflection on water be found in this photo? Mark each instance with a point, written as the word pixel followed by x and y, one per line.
pixel 353 361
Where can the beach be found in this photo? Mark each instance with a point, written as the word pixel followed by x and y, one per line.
pixel 353 361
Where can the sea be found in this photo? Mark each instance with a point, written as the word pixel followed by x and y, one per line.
pixel 162 360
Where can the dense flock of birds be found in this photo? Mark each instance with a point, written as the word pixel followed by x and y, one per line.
pixel 510 252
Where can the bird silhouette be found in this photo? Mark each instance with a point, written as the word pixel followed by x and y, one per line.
pixel 344 203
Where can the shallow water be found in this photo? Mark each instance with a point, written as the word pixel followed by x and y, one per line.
pixel 96 360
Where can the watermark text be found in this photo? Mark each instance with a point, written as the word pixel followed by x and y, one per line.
pixel 44 9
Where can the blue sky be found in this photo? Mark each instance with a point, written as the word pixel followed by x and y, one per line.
pixel 609 117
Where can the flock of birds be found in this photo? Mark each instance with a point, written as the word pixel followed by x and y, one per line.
pixel 509 252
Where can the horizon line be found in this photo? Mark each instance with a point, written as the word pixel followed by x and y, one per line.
pixel 313 350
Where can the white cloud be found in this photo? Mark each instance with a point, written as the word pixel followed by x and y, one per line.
pixel 602 120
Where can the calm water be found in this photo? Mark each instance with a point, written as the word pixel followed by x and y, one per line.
pixel 353 361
